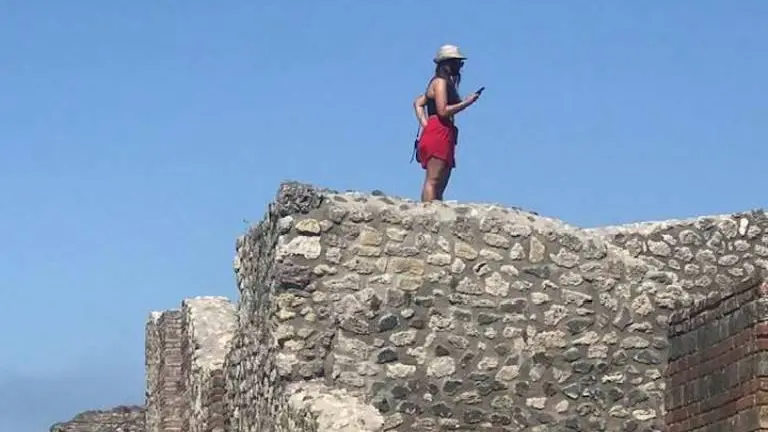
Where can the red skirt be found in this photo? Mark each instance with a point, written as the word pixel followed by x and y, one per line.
pixel 438 140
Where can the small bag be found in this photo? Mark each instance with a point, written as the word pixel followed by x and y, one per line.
pixel 415 154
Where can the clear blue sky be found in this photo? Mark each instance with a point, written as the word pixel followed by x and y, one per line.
pixel 138 136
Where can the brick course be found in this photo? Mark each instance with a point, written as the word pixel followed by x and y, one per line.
pixel 717 377
pixel 164 397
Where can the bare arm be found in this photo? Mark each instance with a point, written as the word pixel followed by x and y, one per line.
pixel 418 107
pixel 441 100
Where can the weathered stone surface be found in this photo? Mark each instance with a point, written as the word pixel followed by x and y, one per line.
pixel 313 406
pixel 164 379
pixel 435 311
pixel 122 419
pixel 368 312
pixel 208 324
pixel 185 374
pixel 698 254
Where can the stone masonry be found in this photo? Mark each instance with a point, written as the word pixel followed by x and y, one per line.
pixel 185 375
pixel 208 324
pixel 163 368
pixel 118 419
pixel 718 362
pixel 370 313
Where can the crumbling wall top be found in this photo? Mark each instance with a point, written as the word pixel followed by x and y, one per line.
pixel 211 325
pixel 125 418
pixel 703 222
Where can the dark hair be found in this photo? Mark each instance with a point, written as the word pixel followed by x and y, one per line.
pixel 445 70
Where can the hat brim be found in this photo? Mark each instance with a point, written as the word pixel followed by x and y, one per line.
pixel 442 59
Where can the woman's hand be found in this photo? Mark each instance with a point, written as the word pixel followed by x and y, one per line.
pixel 472 98
pixel 418 107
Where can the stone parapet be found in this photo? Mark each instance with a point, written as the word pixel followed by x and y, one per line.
pixel 703 253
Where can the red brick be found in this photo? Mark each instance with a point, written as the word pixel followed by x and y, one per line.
pixel 723 403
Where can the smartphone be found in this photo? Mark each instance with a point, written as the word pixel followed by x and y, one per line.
pixel 481 90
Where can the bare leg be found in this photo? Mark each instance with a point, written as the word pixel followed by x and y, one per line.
pixel 434 181
pixel 446 175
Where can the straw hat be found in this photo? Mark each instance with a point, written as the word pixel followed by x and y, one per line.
pixel 447 52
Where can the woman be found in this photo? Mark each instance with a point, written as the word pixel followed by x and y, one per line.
pixel 435 148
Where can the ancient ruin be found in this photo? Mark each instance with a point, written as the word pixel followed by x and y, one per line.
pixel 373 313
pixel 717 373
pixel 118 419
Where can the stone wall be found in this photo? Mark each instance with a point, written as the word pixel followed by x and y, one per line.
pixel 703 253
pixel 445 316
pixel 208 324
pixel 164 385
pixel 122 419
pixel 718 364
pixel 369 313
pixel 257 397
pixel 185 352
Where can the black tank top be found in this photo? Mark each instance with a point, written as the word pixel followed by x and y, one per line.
pixel 453 97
